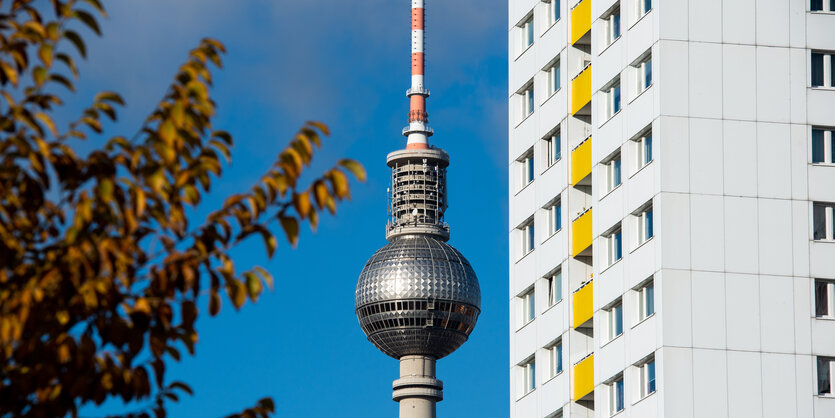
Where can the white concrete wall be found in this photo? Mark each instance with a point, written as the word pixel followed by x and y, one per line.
pixel 732 186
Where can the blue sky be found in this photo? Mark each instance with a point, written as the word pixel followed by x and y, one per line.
pixel 346 64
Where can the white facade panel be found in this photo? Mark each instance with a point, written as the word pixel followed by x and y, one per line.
pixel 674 288
pixel 705 142
pixel 708 232
pixel 744 384
pixel 775 237
pixel 742 307
pixel 708 316
pixel 739 138
pixel 739 88
pixel 674 147
pixel 673 19
pixel 710 390
pixel 778 371
pixel 705 77
pixel 820 103
pixel 773 75
pixel 741 231
pixel 777 314
pixel 677 366
pixel 772 22
pixel 738 23
pixel 774 160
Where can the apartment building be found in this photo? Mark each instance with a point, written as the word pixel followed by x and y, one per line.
pixel 672 186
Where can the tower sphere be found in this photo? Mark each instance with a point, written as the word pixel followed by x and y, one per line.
pixel 417 296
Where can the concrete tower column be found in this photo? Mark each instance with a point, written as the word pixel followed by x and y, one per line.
pixel 417 390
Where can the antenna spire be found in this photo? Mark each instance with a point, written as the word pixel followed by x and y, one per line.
pixel 418 131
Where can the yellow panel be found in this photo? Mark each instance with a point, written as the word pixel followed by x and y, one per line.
pixel 581 162
pixel 580 20
pixel 581 90
pixel 581 234
pixel 584 378
pixel 583 304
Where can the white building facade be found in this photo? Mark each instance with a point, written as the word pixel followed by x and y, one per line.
pixel 672 208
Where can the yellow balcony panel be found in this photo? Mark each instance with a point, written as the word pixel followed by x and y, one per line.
pixel 581 162
pixel 584 378
pixel 582 301
pixel 581 237
pixel 581 92
pixel 580 20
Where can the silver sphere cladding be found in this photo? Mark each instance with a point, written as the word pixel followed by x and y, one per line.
pixel 417 296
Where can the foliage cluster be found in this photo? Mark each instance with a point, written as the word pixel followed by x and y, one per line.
pixel 101 269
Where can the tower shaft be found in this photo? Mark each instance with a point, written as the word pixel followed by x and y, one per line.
pixel 417 390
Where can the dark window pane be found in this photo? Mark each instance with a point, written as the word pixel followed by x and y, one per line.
pixel 817 146
pixel 832 142
pixel 819 219
pixel 817 5
pixel 617 172
pixel 832 69
pixel 821 299
pixel 648 152
pixel 649 224
pixel 817 69
pixel 651 373
pixel 618 246
pixel 824 384
pixel 617 99
pixel 616 24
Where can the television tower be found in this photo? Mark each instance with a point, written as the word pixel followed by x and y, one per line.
pixel 417 298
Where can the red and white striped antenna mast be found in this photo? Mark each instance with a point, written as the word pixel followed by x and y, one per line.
pixel 418 131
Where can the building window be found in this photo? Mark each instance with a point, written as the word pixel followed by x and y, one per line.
pixel 612 172
pixel 823 150
pixel 553 75
pixel 823 221
pixel 528 376
pixel 527 307
pixel 614 321
pixel 643 150
pixel 823 72
pixel 526 169
pixel 526 32
pixel 642 7
pixel 644 218
pixel 552 10
pixel 553 148
pixel 647 377
pixel 528 237
pixel 554 217
pixel 825 298
pixel 643 73
pixel 614 246
pixel 555 288
pixel 611 27
pixel 826 368
pixel 555 359
pixel 526 102
pixel 822 5
pixel 611 98
pixel 616 396
pixel 646 301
